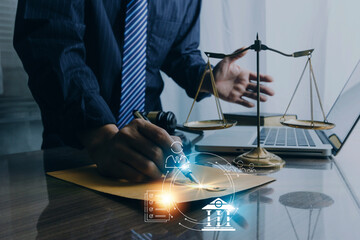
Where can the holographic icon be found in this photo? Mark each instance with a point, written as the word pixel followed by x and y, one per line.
pixel 156 209
pixel 174 161
pixel 220 212
pixel 223 210
pixel 176 147
pixel 240 165
pixel 251 168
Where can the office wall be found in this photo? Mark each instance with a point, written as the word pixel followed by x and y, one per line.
pixel 328 26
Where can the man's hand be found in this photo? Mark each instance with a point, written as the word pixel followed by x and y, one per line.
pixel 135 152
pixel 233 82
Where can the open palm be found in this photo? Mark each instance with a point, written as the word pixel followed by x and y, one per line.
pixel 233 82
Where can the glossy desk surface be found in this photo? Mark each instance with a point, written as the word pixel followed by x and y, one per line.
pixel 35 206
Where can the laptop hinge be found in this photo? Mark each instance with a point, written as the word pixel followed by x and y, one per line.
pixel 323 137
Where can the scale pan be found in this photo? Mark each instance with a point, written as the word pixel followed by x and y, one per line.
pixel 210 124
pixel 308 124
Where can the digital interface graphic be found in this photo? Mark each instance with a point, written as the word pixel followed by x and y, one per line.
pixel 222 210
pixel 157 206
pixel 201 220
pixel 177 158
pixel 172 161
pixel 215 215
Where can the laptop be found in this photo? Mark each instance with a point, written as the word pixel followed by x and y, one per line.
pixel 345 113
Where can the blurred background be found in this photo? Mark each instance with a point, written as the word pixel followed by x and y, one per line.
pixel 329 26
pixel 20 122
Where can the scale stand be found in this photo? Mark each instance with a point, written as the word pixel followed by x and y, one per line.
pixel 259 156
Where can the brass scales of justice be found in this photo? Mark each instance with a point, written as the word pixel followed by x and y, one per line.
pixel 259 157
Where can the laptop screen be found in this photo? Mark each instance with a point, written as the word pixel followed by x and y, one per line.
pixel 345 112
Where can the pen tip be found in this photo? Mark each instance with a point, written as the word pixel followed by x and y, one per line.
pixel 193 178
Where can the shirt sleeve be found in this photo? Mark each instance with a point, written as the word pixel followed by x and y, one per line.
pixel 48 38
pixel 184 63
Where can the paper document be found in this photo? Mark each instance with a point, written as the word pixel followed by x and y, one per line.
pixel 212 178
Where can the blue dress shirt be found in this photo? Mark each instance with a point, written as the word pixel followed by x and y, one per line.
pixel 72 52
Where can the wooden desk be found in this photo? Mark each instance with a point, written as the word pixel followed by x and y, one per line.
pixel 33 205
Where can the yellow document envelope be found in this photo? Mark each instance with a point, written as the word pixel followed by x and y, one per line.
pixel 230 182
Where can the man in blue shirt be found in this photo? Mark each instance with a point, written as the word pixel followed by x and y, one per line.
pixel 73 52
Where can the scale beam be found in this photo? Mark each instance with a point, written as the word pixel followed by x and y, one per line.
pixel 263 47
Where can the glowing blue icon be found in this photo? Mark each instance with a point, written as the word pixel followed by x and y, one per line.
pixel 174 161
pixel 223 211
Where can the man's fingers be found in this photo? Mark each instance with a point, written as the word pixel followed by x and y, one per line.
pixel 176 138
pixel 239 87
pixel 238 54
pixel 253 95
pixel 263 78
pixel 263 89
pixel 244 103
pixel 144 146
pixel 139 162
pixel 160 139
pixel 158 135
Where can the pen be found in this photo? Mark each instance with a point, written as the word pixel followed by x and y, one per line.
pixel 184 169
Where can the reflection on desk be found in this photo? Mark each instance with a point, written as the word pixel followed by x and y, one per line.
pixel 33 205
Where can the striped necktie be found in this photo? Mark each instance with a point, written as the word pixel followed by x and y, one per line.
pixel 134 61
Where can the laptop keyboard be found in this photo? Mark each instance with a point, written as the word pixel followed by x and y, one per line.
pixel 285 137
